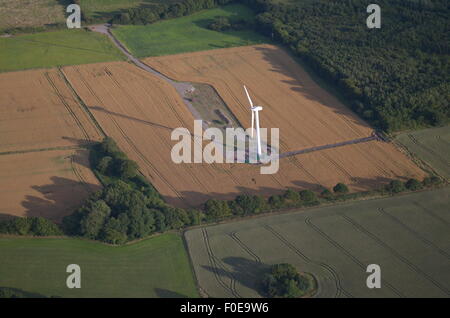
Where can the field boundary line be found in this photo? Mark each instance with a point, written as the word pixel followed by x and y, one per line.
pixel 308 221
pixel 413 232
pixel 325 266
pixel 15 152
pixel 395 253
pixel 81 102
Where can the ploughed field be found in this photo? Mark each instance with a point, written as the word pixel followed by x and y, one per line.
pixel 50 184
pixel 407 236
pixel 140 110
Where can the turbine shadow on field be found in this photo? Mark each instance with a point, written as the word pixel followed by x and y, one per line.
pixel 60 198
pixel 101 109
pixel 244 271
pixel 270 55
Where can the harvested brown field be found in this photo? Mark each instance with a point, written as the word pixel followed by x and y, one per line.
pixel 306 114
pixel 38 110
pixel 140 110
pixel 49 184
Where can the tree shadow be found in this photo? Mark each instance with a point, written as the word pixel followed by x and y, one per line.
pixel 248 273
pixel 165 293
pixel 10 292
pixel 196 199
pixel 58 199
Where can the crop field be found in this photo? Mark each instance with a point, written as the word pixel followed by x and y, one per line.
pixel 431 146
pixel 155 267
pixel 30 13
pixel 49 49
pixel 50 184
pixel 187 34
pixel 306 114
pixel 140 111
pixel 407 236
pixel 38 110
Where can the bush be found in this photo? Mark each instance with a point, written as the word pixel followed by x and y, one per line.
pixel 292 195
pixel 396 186
pixel 413 184
pixel 308 196
pixel 276 201
pixel 431 181
pixel 126 169
pixel 284 281
pixel 220 24
pixel 216 210
pixel 104 165
pixel 326 193
pixel 340 188
pixel 35 226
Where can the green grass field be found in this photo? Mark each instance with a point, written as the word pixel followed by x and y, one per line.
pixel 155 267
pixel 431 146
pixel 187 34
pixel 407 236
pixel 49 49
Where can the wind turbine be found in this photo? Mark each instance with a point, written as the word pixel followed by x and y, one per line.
pixel 255 115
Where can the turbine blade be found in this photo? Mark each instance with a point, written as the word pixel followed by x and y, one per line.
pixel 248 96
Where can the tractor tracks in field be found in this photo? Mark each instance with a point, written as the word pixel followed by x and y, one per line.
pixel 247 249
pixel 129 141
pixel 339 289
pixel 217 264
pixel 432 214
pixel 344 251
pixel 413 232
pixel 67 106
pixel 396 254
pixel 79 175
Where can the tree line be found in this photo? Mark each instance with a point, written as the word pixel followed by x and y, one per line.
pixel 161 11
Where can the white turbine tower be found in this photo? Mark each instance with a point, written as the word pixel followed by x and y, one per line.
pixel 255 116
